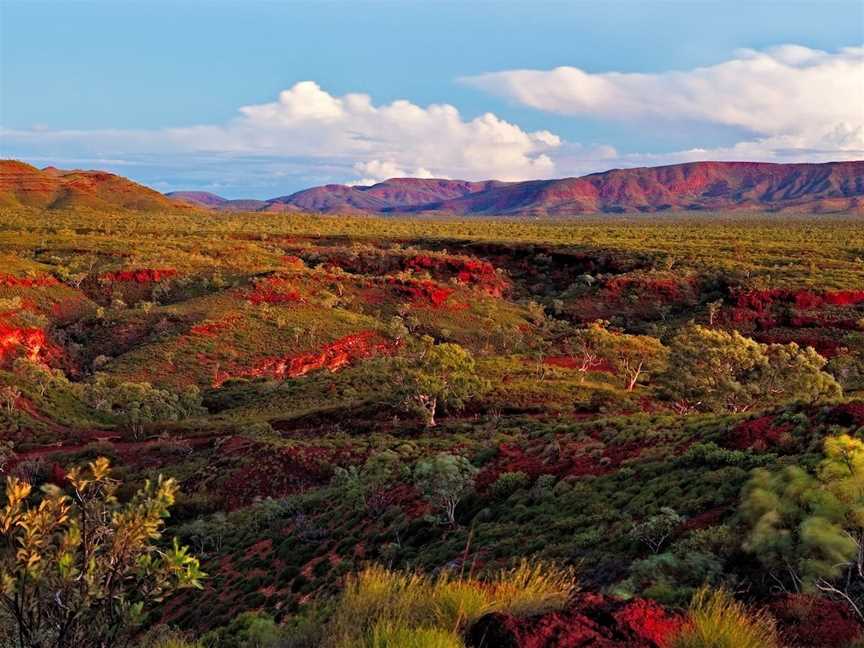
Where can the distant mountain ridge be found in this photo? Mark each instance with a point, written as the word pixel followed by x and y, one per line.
pixel 703 186
pixel 697 186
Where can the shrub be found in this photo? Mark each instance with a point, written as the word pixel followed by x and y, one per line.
pixel 87 537
pixel 717 620
pixel 508 483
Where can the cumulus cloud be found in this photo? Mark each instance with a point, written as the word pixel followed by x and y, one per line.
pixel 786 100
pixel 348 132
pixel 786 104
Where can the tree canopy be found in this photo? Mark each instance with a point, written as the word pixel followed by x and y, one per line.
pixel 715 370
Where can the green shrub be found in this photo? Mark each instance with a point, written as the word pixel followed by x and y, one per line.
pixel 508 483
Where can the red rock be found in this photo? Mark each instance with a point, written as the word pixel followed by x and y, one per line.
pixel 333 356
pixel 43 281
pixel 592 620
pixel 273 291
pixel 143 275
pixel 29 342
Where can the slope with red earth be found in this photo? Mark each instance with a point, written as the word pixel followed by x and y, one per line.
pixel 591 620
pixel 717 186
pixel 23 185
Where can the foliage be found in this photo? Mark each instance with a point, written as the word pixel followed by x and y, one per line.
pixel 809 529
pixel 365 484
pixel 655 531
pixel 79 569
pixel 714 370
pixel 443 375
pixel 137 404
pixel 508 483
pixel 444 480
pixel 390 635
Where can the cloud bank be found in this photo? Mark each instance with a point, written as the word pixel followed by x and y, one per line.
pixel 786 101
pixel 349 132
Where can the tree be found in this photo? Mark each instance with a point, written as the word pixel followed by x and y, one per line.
pixel 137 404
pixel 657 529
pixel 809 529
pixel 635 355
pixel 364 485
pixel 444 480
pixel 78 568
pixel 632 356
pixel 444 375
pixel 714 370
pixel 714 309
pixel 587 345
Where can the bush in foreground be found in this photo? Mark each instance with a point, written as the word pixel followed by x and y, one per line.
pixel 381 608
pixel 717 620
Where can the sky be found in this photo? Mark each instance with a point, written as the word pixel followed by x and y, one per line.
pixel 255 98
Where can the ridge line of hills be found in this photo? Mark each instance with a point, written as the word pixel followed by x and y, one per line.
pixel 831 187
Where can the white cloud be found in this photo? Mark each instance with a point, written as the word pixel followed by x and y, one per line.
pixel 787 104
pixel 786 100
pixel 376 142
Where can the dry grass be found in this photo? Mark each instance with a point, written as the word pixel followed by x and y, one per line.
pixel 378 604
pixel 717 620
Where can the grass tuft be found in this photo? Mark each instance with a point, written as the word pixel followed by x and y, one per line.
pixel 717 620
pixel 378 604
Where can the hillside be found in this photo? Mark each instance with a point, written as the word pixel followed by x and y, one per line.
pixel 694 186
pixel 716 186
pixel 23 185
pixel 281 368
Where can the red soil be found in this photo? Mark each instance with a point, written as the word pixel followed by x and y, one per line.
pixel 333 357
pixel 807 621
pixel 288 471
pixel 209 329
pixel 666 290
pixel 44 281
pixel 422 292
pixel 143 275
pixel 273 291
pixel 591 620
pixel 760 300
pixel 758 434
pixel 472 272
pixel 29 342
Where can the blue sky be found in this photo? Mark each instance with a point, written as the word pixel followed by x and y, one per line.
pixel 153 89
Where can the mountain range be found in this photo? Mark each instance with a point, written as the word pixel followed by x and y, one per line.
pixel 697 186
pixel 718 186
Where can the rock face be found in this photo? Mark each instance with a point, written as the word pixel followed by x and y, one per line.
pixel 22 185
pixel 592 620
pixel 701 186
